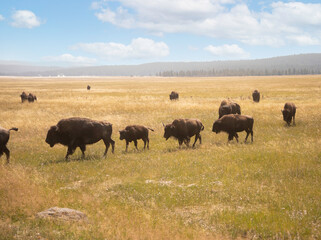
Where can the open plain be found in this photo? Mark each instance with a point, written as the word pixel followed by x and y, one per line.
pixel 269 189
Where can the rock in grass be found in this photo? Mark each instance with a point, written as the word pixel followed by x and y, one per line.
pixel 66 214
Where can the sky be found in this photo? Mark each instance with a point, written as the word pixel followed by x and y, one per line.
pixel 117 32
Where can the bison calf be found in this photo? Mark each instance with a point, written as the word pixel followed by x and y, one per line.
pixel 183 130
pixel 32 97
pixel 78 132
pixel 233 123
pixel 133 133
pixel 4 138
pixel 289 113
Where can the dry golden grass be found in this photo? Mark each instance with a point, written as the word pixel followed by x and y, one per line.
pixel 269 189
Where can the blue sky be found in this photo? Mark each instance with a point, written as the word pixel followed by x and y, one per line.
pixel 110 32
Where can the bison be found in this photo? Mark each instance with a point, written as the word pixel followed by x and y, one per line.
pixel 289 113
pixel 173 96
pixel 24 97
pixel 183 130
pixel 133 133
pixel 88 87
pixel 233 123
pixel 78 132
pixel 32 97
pixel 228 107
pixel 256 96
pixel 4 138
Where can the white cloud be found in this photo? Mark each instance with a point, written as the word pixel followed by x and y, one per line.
pixel 275 25
pixel 25 19
pixel 70 59
pixel 1 17
pixel 139 48
pixel 227 51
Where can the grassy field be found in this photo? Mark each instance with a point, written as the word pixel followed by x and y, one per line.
pixel 266 190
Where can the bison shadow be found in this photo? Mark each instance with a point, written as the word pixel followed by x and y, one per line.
pixel 94 157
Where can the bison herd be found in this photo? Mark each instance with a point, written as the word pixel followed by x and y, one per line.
pixel 79 132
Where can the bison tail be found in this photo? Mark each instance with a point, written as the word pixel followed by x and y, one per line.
pixel 151 129
pixel 202 127
pixel 14 128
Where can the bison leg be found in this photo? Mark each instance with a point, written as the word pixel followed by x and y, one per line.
pixel 180 142
pixel 144 143
pixel 251 135
pixel 196 137
pixel 7 152
pixel 236 137
pixel 247 135
pixel 83 149
pixel 70 151
pixel 147 143
pixel 294 119
pixel 135 142
pixel 107 144
pixel 127 145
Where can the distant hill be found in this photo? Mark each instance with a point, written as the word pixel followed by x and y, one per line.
pixel 286 65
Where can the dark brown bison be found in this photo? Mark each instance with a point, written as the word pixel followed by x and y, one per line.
pixel 256 96
pixel 32 97
pixel 78 132
pixel 183 130
pixel 133 133
pixel 173 96
pixel 88 87
pixel 233 123
pixel 24 97
pixel 228 107
pixel 4 138
pixel 289 113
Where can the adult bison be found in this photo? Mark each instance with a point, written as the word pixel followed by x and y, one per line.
pixel 183 130
pixel 32 97
pixel 24 97
pixel 4 138
pixel 88 87
pixel 173 96
pixel 228 107
pixel 256 96
pixel 289 113
pixel 78 132
pixel 133 133
pixel 233 123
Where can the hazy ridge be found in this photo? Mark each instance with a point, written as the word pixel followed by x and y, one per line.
pixel 286 65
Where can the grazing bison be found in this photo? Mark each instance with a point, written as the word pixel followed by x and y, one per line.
pixel 173 96
pixel 4 138
pixel 183 130
pixel 78 132
pixel 24 97
pixel 32 97
pixel 88 87
pixel 289 112
pixel 228 107
pixel 233 123
pixel 256 96
pixel 133 133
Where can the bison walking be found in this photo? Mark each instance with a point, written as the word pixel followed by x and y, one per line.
pixel 78 132
pixel 183 130
pixel 233 123
pixel 256 96
pixel 173 96
pixel 228 107
pixel 289 113
pixel 4 138
pixel 32 97
pixel 133 133
pixel 24 97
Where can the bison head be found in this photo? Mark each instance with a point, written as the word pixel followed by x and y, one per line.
pixel 216 126
pixel 123 134
pixel 169 130
pixel 52 136
pixel 286 115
